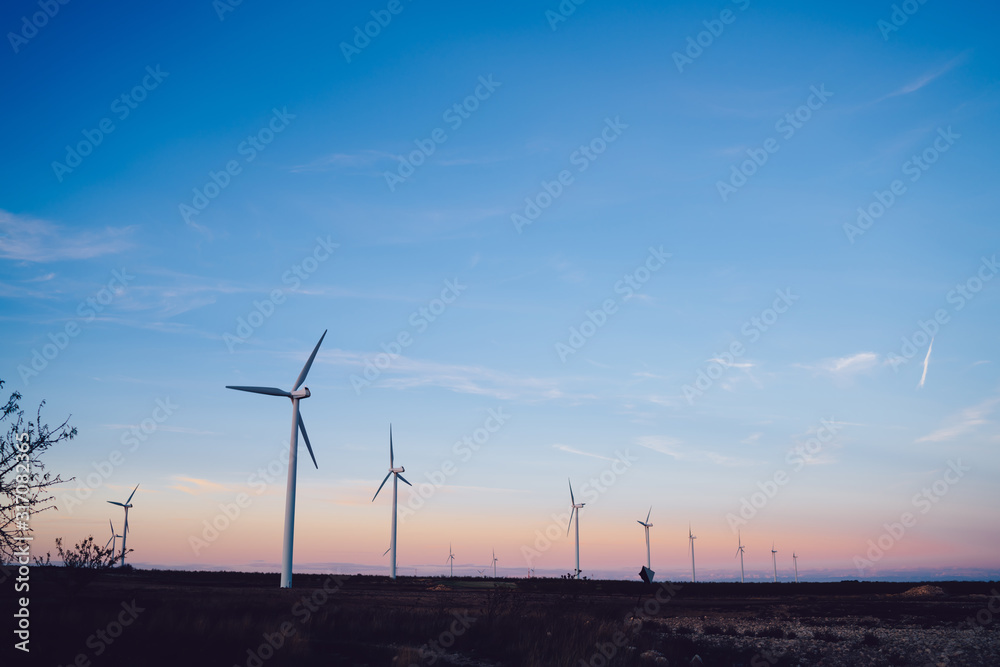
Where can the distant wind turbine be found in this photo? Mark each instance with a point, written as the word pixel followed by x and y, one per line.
pixel 691 539
pixel 396 476
pixel 795 561
pixel 739 552
pixel 127 505
pixel 113 539
pixel 295 395
pixel 451 560
pixel 494 564
pixel 575 510
pixel 647 525
pixel 774 560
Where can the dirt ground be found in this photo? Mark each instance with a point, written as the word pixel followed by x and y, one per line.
pixel 154 618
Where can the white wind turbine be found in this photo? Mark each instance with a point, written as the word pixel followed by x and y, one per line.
pixel 494 563
pixel 113 539
pixel 795 561
pixel 691 539
pixel 575 511
pixel 774 561
pixel 127 505
pixel 451 560
pixel 647 525
pixel 295 395
pixel 395 474
pixel 739 552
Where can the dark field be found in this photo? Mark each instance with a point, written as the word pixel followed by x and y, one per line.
pixel 225 619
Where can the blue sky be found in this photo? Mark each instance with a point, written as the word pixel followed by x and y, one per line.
pixel 641 145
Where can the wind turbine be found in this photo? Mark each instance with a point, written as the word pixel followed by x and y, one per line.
pixel 396 476
pixel 647 525
pixel 494 563
pixel 739 552
pixel 795 561
pixel 451 559
pixel 295 395
pixel 112 540
pixel 575 510
pixel 774 560
pixel 127 504
pixel 691 539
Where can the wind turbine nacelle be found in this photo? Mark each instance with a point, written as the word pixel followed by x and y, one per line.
pixel 398 470
pixel 301 393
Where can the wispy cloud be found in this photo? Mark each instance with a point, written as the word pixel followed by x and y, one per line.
pixel 846 366
pixel 198 487
pixel 966 421
pixel 677 450
pixel 408 373
pixel 33 240
pixel 926 78
pixel 927 360
pixel 333 161
pixel 573 450
pixel 732 364
pixel 164 428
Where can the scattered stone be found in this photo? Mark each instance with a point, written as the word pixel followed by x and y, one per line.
pixel 923 591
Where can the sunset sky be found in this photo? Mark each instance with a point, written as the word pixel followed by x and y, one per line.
pixel 709 242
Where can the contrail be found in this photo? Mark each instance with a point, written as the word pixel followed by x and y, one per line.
pixel 926 359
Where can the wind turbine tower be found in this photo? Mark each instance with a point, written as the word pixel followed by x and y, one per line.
pixel 396 476
pixel 494 564
pixel 691 539
pixel 647 525
pixel 295 395
pixel 739 552
pixel 774 561
pixel 575 510
pixel 451 559
pixel 795 561
pixel 127 505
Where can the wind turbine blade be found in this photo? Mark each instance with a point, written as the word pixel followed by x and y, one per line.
pixel 570 525
pixel 381 485
pixel 131 494
pixel 403 479
pixel 114 503
pixel 305 369
pixel 305 436
pixel 571 498
pixel 648 513
pixel 640 522
pixel 109 541
pixel 390 446
pixel 387 550
pixel 270 391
